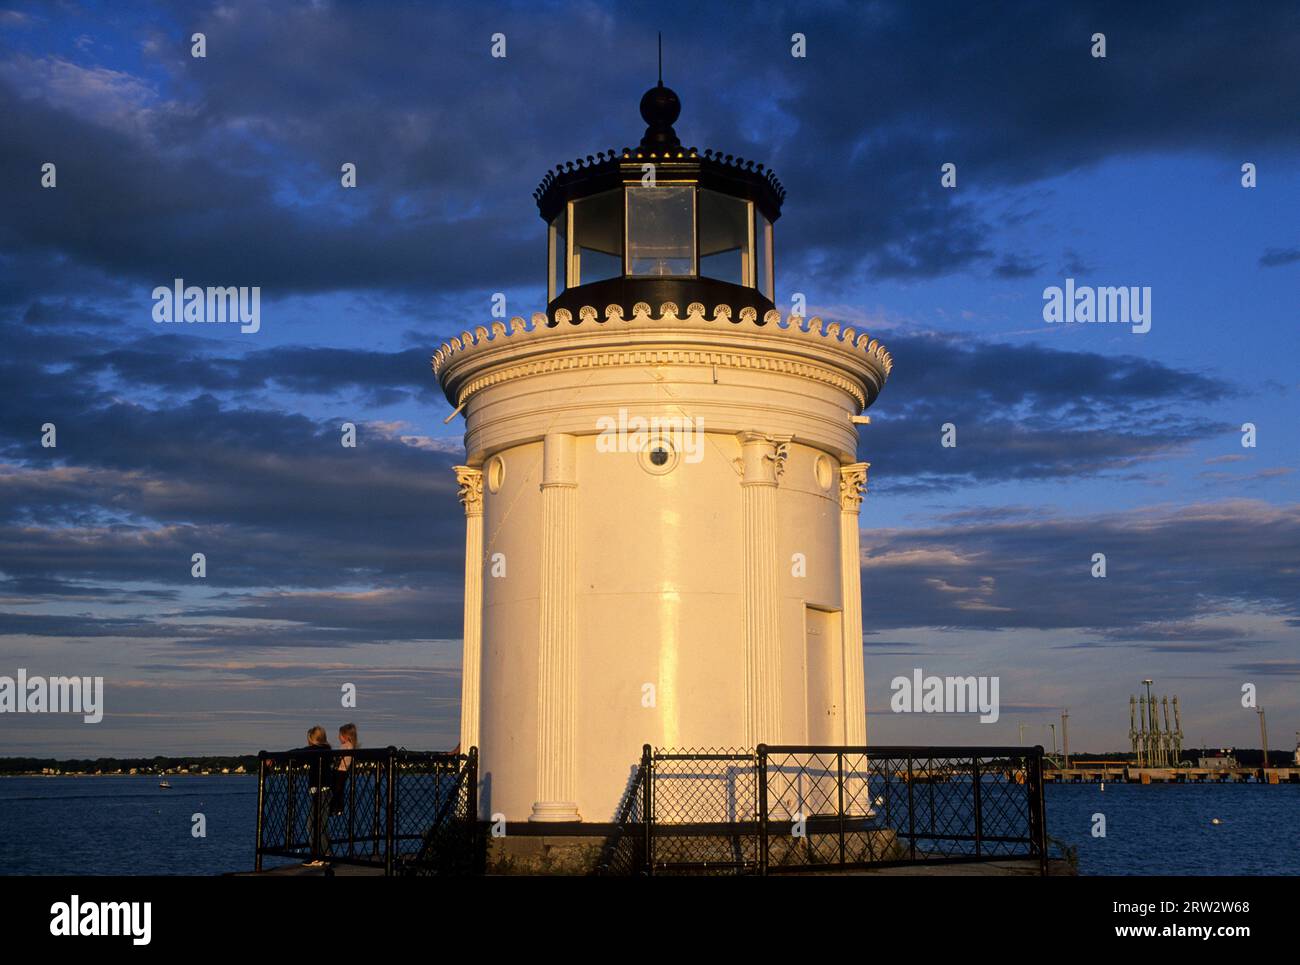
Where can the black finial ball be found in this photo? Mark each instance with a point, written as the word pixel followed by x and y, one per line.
pixel 660 107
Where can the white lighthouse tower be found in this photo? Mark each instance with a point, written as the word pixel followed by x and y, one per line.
pixel 661 489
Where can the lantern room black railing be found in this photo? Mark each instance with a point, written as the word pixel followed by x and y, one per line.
pixel 405 812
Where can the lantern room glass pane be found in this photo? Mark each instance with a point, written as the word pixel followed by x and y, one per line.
pixel 725 251
pixel 557 257
pixel 763 231
pixel 597 238
pixel 661 230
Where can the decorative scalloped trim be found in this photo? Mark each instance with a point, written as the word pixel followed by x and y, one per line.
pixel 794 325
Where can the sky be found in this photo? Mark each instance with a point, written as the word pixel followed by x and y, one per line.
pixel 328 566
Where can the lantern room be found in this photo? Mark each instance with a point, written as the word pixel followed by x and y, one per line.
pixel 660 223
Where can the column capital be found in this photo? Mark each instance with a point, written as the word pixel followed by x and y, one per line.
pixel 559 459
pixel 853 483
pixel 470 495
pixel 763 457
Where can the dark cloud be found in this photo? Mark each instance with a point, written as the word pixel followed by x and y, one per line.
pixel 44 625
pixel 1012 266
pixel 1022 412
pixel 1281 668
pixel 186 364
pixel 1073 265
pixel 371 616
pixel 34 589
pixel 1166 570
pixel 271 499
pixel 225 171
pixel 1276 257
pixel 1027 412
pixel 1010 99
pixel 270 620
pixel 279 507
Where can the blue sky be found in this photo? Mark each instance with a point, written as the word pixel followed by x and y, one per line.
pixel 328 566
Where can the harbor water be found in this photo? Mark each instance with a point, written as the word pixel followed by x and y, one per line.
pixel 130 826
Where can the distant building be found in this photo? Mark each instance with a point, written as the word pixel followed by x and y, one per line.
pixel 1219 761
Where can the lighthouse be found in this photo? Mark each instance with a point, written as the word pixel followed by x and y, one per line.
pixel 661 488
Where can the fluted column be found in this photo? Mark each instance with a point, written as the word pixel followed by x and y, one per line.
pixel 762 460
pixel 471 497
pixel 853 482
pixel 557 764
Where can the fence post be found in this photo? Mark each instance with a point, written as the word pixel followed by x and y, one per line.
pixel 471 808
pixel 290 809
pixel 261 803
pixel 979 815
pixel 762 809
pixel 911 809
pixel 1037 817
pixel 313 801
pixel 375 791
pixel 647 808
pixel 471 791
pixel 350 789
pixel 390 823
pixel 840 784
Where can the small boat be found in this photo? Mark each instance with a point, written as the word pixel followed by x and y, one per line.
pixel 164 784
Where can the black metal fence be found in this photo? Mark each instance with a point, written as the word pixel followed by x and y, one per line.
pixel 626 848
pixel 857 807
pixel 407 812
pixel 772 810
pixel 703 808
pixel 798 809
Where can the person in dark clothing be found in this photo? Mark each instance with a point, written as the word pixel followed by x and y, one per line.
pixel 338 787
pixel 319 780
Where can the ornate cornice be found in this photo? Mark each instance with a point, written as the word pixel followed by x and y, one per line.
pixel 793 325
pixel 656 356
pixel 800 331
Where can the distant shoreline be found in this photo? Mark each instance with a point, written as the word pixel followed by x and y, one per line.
pixel 5 774
pixel 161 765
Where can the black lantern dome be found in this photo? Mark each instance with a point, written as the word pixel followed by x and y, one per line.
pixel 660 223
